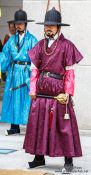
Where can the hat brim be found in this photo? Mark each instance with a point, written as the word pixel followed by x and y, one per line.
pixel 52 23
pixel 10 21
pixel 17 22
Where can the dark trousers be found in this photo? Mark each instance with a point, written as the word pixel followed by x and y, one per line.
pixel 14 126
pixel 68 160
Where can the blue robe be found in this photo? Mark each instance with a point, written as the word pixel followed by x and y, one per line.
pixel 16 104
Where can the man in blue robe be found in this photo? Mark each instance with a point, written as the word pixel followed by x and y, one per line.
pixel 14 59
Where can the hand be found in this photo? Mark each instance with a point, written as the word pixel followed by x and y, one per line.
pixel 67 97
pixel 33 96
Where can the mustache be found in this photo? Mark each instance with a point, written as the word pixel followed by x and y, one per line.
pixel 18 28
pixel 48 31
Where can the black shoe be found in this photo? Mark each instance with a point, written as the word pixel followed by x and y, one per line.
pixel 36 163
pixel 68 166
pixel 12 132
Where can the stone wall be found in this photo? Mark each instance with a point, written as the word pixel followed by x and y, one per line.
pixel 8 8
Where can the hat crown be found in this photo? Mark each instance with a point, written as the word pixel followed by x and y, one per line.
pixel 53 16
pixel 20 15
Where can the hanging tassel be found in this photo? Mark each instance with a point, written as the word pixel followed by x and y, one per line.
pixel 50 118
pixel 66 116
pixel 48 4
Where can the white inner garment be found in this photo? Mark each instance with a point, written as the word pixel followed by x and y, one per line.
pixel 21 36
pixel 51 41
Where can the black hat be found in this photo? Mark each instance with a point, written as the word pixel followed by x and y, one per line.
pixel 53 17
pixel 20 16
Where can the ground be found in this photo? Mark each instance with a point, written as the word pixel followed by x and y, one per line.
pixel 19 159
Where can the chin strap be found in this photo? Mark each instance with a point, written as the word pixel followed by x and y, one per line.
pixel 18 42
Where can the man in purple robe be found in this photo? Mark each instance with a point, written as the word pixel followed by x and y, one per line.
pixel 49 131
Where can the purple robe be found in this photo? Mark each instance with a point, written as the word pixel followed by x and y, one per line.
pixel 62 139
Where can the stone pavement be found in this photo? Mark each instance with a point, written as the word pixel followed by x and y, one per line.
pixel 19 159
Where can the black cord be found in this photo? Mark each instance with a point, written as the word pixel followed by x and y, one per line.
pixel 18 42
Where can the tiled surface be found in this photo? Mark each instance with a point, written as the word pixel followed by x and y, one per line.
pixel 19 159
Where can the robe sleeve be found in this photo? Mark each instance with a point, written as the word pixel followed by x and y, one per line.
pixel 5 57
pixel 33 80
pixel 69 81
pixel 34 55
pixel 72 55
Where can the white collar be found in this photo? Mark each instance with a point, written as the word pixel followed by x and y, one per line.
pixel 56 36
pixel 21 36
pixel 51 41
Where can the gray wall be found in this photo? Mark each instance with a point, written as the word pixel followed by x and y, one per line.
pixel 78 14
pixel 8 8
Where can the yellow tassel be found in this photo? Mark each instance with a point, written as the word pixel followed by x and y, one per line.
pixel 66 116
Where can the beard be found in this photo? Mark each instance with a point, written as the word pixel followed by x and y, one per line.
pixel 49 34
pixel 19 30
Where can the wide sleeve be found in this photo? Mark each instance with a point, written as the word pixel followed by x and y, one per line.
pixel 34 55
pixel 33 80
pixel 69 81
pixel 5 57
pixel 72 55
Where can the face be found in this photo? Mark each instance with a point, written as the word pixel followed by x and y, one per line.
pixel 12 29
pixel 50 30
pixel 20 27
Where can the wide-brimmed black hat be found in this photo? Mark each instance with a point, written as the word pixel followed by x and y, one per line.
pixel 53 17
pixel 20 16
